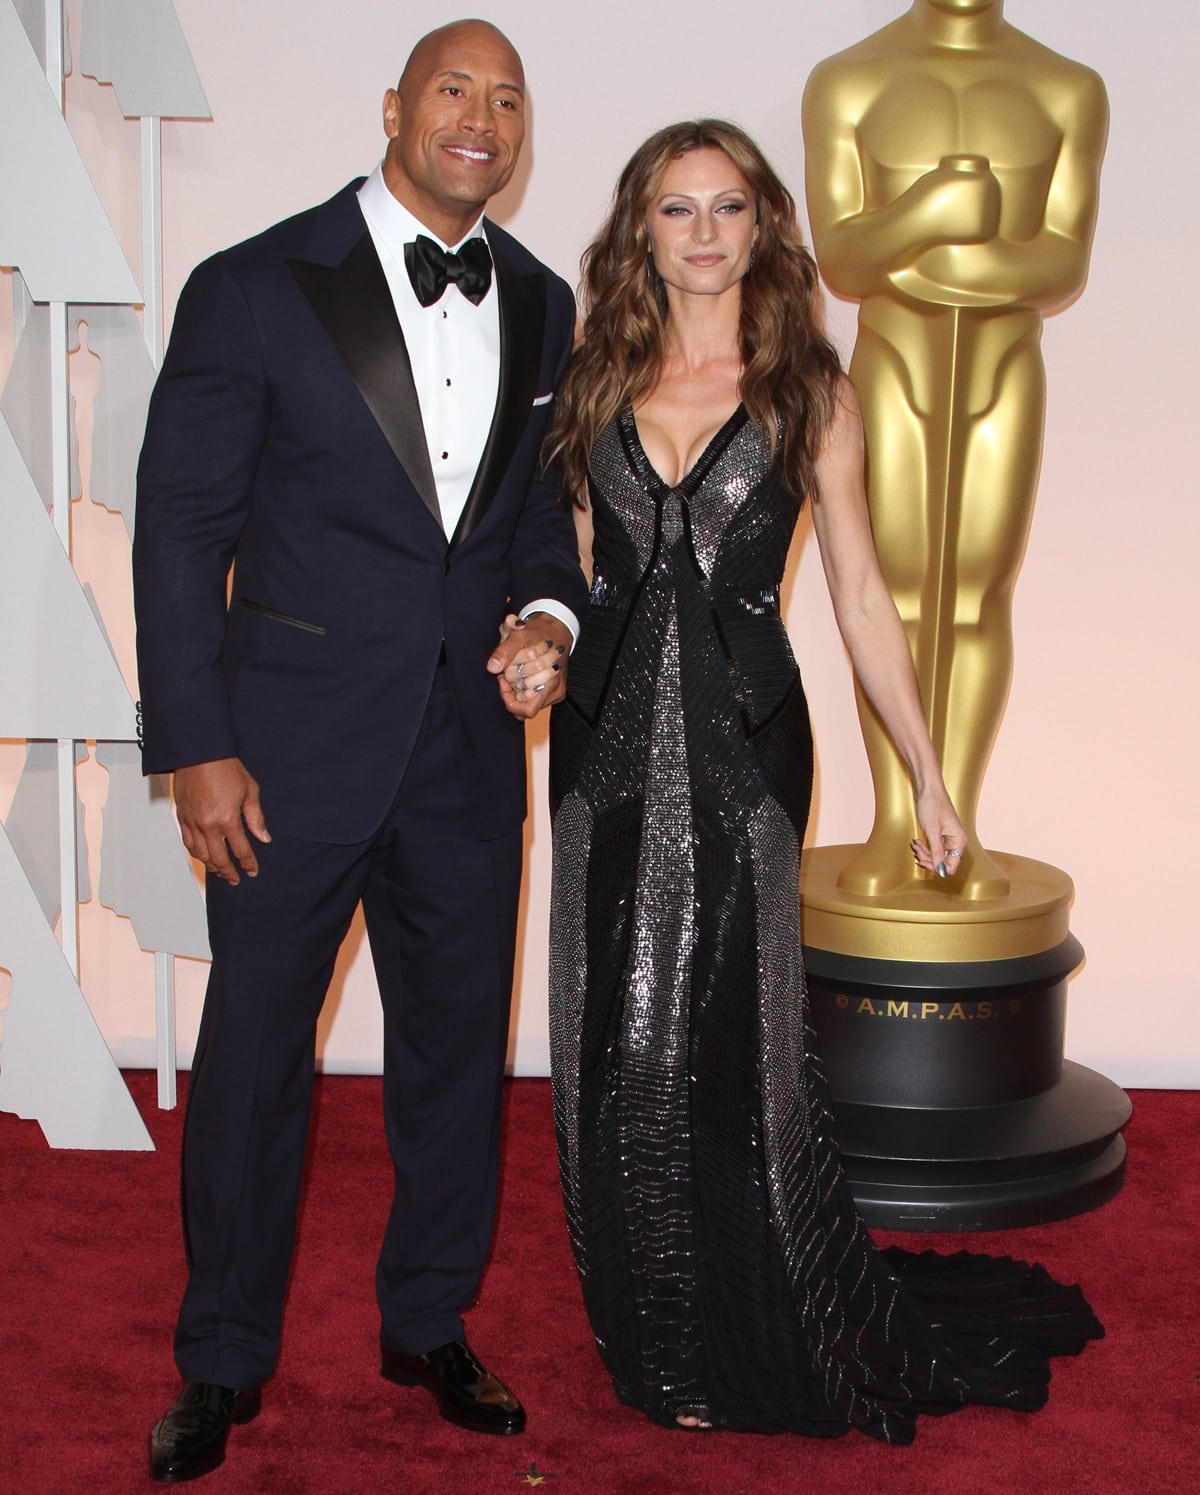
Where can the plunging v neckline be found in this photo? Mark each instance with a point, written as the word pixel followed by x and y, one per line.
pixel 696 473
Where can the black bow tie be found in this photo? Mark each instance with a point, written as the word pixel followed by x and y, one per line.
pixel 430 268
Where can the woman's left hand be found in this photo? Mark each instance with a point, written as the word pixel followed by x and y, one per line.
pixel 945 842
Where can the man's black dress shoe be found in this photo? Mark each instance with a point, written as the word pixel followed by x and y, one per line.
pixel 190 1440
pixel 466 1393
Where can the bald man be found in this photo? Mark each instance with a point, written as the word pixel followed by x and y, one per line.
pixel 350 415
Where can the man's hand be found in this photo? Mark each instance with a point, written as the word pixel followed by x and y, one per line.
pixel 217 803
pixel 531 663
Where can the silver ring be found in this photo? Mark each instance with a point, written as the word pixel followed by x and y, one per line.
pixel 954 852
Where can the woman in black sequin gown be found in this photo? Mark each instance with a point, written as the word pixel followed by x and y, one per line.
pixel 727 1275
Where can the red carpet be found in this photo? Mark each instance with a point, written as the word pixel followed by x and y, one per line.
pixel 92 1268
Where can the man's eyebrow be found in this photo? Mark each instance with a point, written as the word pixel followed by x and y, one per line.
pixel 452 72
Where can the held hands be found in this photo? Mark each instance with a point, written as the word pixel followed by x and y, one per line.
pixel 531 663
pixel 217 803
pixel 946 842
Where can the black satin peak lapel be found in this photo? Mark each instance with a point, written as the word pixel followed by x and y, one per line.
pixel 354 305
pixel 522 326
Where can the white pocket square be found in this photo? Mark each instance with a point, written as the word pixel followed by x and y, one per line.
pixel 544 399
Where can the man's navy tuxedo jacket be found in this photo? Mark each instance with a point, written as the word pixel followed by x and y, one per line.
pixel 285 436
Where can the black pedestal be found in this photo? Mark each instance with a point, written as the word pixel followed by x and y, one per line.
pixel 954 1106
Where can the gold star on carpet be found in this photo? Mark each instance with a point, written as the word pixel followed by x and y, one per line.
pixel 533 1475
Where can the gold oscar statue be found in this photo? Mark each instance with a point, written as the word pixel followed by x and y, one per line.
pixel 952 175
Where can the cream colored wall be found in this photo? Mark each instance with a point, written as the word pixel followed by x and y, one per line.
pixel 1094 769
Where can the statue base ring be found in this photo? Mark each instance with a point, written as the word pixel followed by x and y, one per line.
pixel 941 1025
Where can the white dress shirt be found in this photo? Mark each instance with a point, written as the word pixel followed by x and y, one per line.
pixel 454 349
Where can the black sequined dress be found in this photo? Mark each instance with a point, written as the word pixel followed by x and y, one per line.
pixel 724 1267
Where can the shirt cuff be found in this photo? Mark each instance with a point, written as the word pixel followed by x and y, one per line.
pixel 556 610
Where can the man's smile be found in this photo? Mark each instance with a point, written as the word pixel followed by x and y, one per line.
pixel 467 153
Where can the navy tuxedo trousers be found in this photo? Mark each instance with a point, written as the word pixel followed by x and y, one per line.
pixel 440 907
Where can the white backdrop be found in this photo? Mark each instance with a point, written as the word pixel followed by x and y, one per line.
pixel 1095 763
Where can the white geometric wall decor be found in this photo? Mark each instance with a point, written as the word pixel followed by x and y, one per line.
pixel 144 873
pixel 25 400
pixel 55 1067
pixel 58 676
pixel 75 399
pixel 33 18
pixel 52 226
pixel 138 46
pixel 32 828
pixel 117 408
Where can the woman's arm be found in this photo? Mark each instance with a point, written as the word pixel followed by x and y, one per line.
pixel 584 534
pixel 873 633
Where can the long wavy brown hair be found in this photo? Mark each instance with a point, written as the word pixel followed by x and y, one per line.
pixel 790 370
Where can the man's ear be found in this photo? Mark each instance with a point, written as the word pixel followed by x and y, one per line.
pixel 391 114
